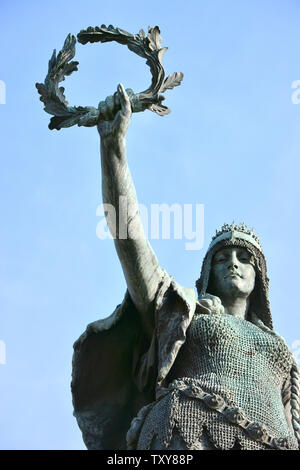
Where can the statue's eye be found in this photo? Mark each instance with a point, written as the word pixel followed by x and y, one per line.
pixel 220 259
pixel 245 258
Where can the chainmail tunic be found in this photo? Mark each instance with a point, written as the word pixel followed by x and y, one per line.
pixel 237 360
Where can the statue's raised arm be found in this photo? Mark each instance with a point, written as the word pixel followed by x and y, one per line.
pixel 140 265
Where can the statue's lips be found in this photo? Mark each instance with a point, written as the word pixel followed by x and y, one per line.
pixel 232 275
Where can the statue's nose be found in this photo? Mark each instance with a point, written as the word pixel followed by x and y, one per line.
pixel 233 261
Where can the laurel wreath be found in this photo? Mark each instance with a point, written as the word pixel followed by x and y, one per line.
pixel 60 66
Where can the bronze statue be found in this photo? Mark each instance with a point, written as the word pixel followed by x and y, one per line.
pixel 172 370
pixel 200 373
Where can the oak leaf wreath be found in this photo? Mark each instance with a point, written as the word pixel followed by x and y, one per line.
pixel 60 66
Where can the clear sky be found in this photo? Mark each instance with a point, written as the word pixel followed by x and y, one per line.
pixel 231 143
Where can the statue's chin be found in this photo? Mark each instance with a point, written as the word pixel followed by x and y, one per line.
pixel 233 287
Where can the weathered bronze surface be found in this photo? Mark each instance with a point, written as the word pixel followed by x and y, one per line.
pixel 169 369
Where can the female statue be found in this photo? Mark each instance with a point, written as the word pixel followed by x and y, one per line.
pixel 169 370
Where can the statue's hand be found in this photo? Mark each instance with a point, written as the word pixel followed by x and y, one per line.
pixel 114 126
pixel 210 304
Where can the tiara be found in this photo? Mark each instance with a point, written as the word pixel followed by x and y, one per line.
pixel 234 231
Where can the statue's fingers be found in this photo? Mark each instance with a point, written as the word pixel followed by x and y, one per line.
pixel 102 106
pixel 206 303
pixel 117 103
pixel 215 300
pixel 110 106
pixel 124 99
pixel 204 310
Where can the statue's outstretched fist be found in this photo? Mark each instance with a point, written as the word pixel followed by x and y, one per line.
pixel 115 121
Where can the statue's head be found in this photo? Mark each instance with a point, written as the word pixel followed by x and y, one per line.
pixel 234 265
pixel 232 273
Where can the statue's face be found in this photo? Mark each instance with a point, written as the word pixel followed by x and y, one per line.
pixel 233 273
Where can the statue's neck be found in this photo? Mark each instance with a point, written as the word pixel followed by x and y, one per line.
pixel 238 307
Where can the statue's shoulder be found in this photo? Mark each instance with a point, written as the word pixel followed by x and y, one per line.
pixel 169 290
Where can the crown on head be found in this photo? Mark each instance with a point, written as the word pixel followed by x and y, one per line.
pixel 236 231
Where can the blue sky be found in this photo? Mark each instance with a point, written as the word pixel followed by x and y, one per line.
pixel 231 143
